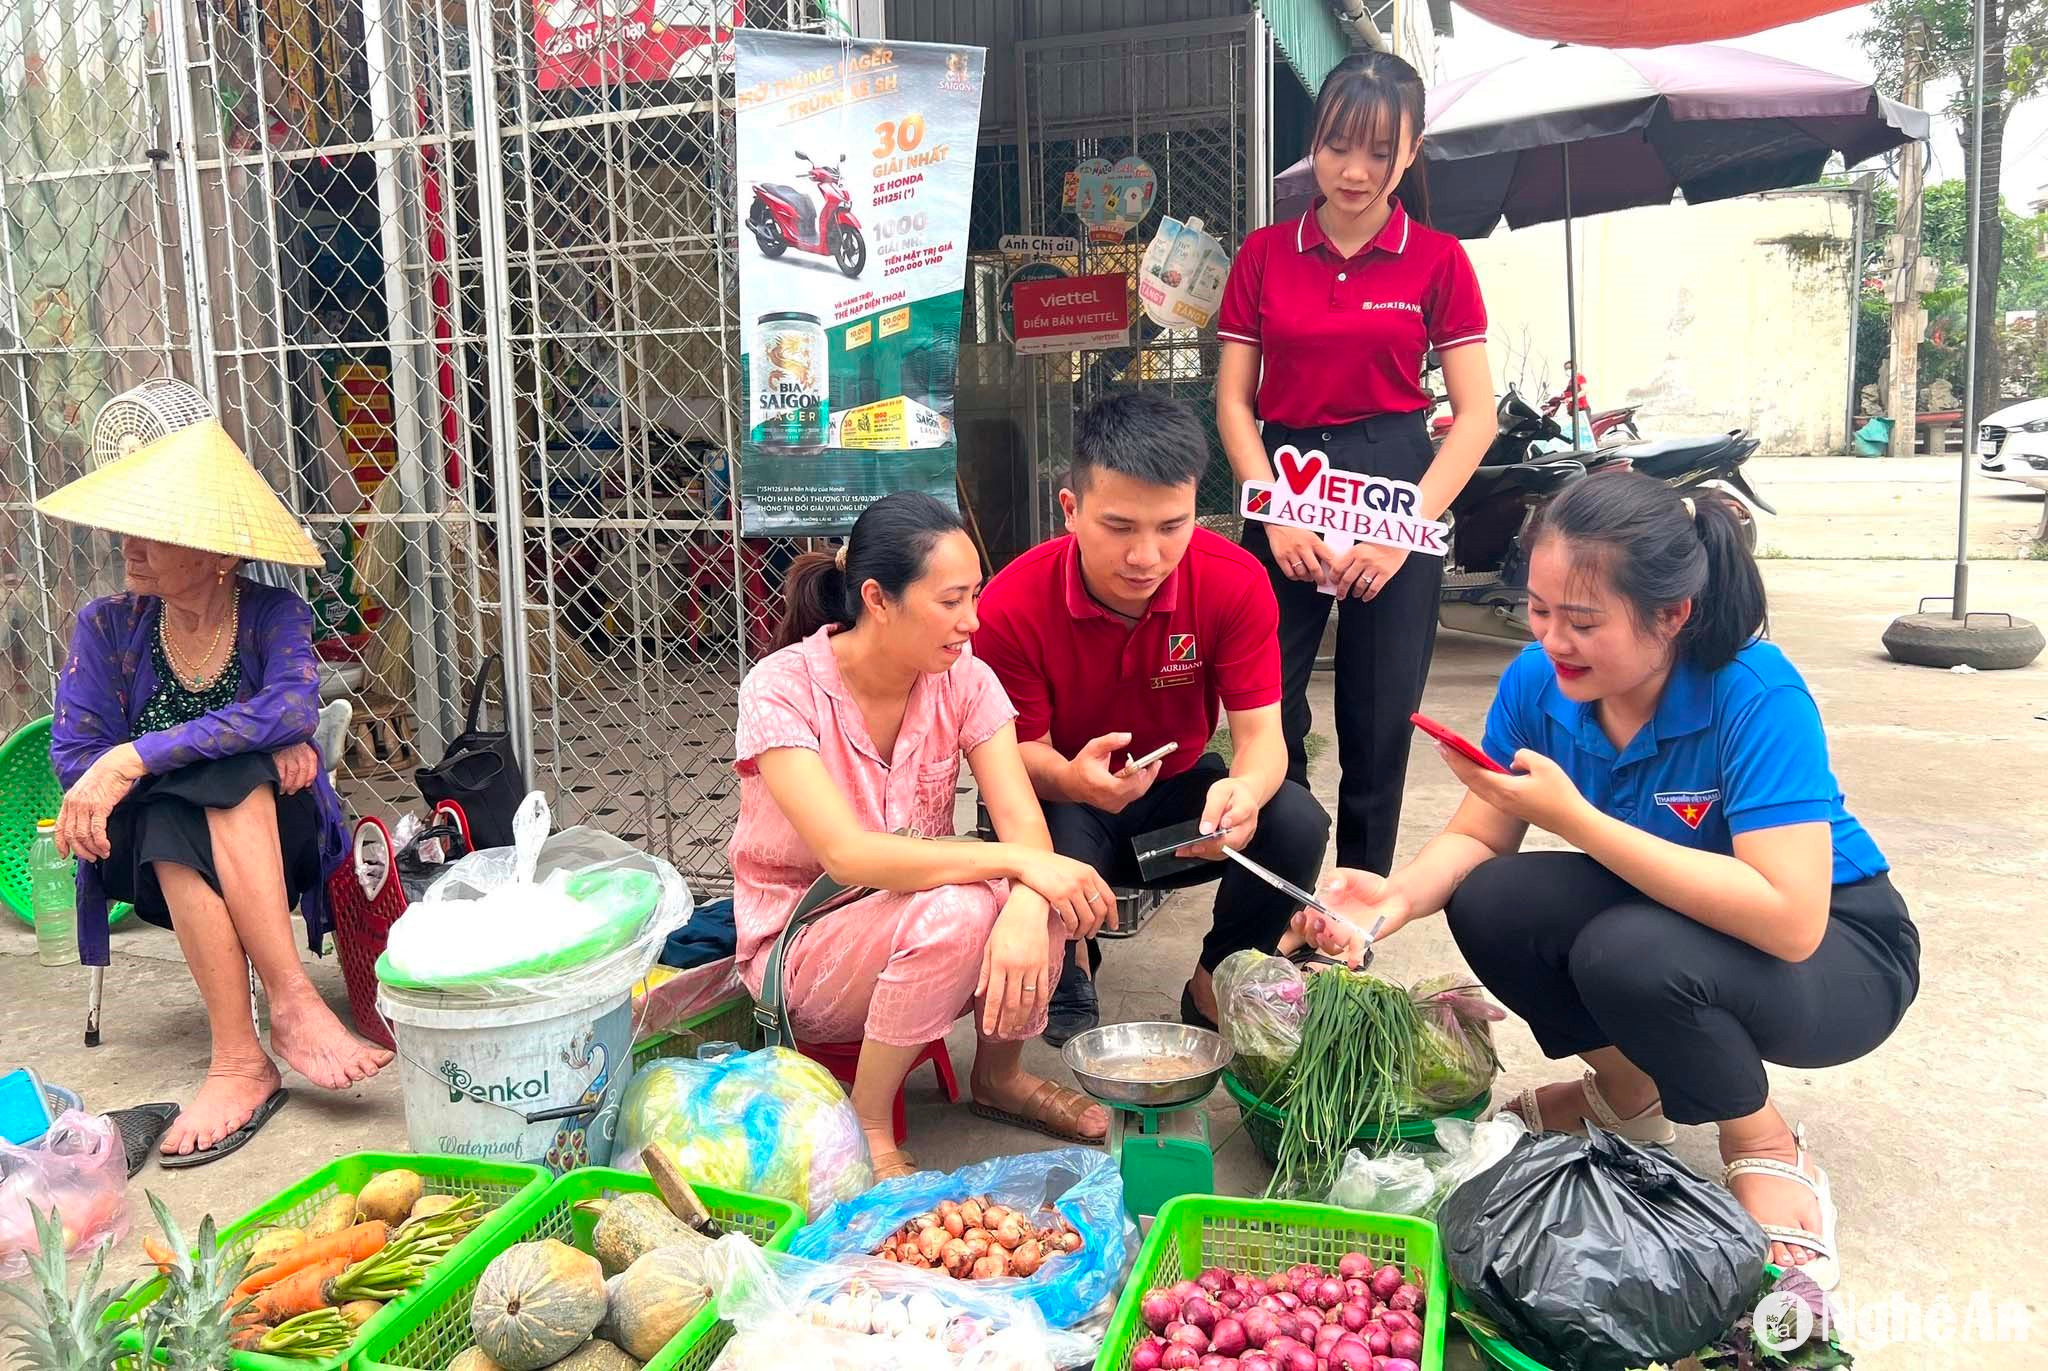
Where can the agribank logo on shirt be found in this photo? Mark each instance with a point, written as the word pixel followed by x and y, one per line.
pixel 1183 660
pixel 1690 806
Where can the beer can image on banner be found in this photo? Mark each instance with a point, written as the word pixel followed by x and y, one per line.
pixel 788 385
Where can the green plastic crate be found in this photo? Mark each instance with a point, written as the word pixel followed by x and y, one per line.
pixel 1263 1121
pixel 432 1332
pixel 512 1190
pixel 1195 1232
pixel 728 1021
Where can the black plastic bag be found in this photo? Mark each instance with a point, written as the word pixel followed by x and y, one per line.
pixel 1595 1254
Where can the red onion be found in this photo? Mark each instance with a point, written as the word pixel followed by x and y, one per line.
pixel 1355 1289
pixel 1303 1359
pixel 1179 1357
pixel 1230 1299
pixel 1400 1364
pixel 1187 1335
pixel 1258 1289
pixel 1201 1313
pixel 1385 1282
pixel 1380 1341
pixel 1397 1319
pixel 1354 1265
pixel 1214 1362
pixel 1329 1292
pixel 1306 1322
pixel 1159 1309
pixel 1281 1280
pixel 1256 1360
pixel 1185 1290
pixel 1145 1356
pixel 1214 1279
pixel 1288 1299
pixel 1261 1326
pixel 1407 1298
pixel 1228 1337
pixel 1406 1344
pixel 1271 1304
pixel 1327 1337
pixel 1350 1354
pixel 1354 1316
pixel 1283 1344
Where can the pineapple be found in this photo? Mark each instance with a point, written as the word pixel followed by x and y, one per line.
pixel 189 1326
pixel 62 1331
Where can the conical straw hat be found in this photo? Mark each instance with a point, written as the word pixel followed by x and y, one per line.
pixel 192 488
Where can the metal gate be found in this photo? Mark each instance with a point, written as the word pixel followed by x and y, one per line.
pixel 480 332
pixel 1193 100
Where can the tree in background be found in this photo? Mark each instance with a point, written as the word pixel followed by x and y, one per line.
pixel 2015 64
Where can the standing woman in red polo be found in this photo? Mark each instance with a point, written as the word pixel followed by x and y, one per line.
pixel 1325 324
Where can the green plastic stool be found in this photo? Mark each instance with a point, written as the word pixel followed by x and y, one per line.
pixel 29 791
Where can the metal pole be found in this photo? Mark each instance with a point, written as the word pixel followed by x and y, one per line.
pixel 1960 608
pixel 190 199
pixel 1571 298
pixel 1859 201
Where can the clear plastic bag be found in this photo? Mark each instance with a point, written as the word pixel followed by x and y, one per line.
pixel 577 913
pixel 864 1314
pixel 1262 1002
pixel 1470 1148
pixel 80 1169
pixel 770 1123
pixel 1081 1183
pixel 1400 1183
pixel 1454 1060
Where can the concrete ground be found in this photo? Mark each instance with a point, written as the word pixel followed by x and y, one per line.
pixel 1941 1209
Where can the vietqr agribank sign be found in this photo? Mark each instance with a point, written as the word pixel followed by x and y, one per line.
pixel 1342 507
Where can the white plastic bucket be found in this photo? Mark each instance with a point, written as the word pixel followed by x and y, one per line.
pixel 472 1069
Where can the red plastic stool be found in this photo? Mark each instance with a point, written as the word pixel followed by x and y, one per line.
pixel 841 1058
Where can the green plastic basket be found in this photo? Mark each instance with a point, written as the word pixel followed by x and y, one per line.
pixel 1195 1232
pixel 728 1021
pixel 1263 1121
pixel 29 792
pixel 1499 1350
pixel 511 1188
pixel 432 1332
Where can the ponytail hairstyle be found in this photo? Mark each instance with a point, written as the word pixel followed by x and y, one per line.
pixel 1369 96
pixel 1656 549
pixel 891 545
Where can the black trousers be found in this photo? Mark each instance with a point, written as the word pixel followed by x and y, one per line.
pixel 1589 961
pixel 1293 831
pixel 1383 646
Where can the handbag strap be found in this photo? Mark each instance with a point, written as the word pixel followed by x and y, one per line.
pixel 372 830
pixel 493 665
pixel 826 896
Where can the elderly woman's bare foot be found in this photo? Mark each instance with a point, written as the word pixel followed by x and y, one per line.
pixel 228 1098
pixel 313 1043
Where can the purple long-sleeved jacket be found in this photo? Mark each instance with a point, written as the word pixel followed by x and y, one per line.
pixel 110 675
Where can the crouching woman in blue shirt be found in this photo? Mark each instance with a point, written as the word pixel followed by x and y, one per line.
pixel 1723 908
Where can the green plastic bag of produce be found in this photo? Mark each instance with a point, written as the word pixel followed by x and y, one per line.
pixel 1454 1058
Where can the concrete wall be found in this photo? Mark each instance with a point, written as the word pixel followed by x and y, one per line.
pixel 1728 315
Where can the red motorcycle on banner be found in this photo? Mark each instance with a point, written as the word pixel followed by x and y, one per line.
pixel 784 217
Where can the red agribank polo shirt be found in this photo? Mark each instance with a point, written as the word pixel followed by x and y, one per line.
pixel 1076 671
pixel 1342 338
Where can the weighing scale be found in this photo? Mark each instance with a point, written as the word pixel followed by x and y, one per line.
pixel 1158 1128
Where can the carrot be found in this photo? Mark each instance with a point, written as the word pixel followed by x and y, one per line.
pixel 301 1292
pixel 249 1338
pixel 354 1244
pixel 160 1256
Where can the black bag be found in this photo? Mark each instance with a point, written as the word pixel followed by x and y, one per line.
pixel 1595 1254
pixel 479 770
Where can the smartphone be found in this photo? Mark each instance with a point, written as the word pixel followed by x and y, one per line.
pixel 1452 740
pixel 1138 764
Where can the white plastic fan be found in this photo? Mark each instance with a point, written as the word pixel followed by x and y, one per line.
pixel 155 409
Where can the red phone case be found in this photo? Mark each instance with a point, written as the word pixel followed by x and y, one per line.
pixel 1451 739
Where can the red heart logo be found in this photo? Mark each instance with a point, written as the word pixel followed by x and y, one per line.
pixel 1299 472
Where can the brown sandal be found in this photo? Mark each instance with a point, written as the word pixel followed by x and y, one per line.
pixel 894 1165
pixel 1052 1110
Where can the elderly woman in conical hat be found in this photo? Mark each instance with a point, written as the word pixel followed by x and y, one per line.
pixel 183 735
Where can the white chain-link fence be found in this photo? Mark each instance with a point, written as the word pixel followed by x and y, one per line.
pixel 481 334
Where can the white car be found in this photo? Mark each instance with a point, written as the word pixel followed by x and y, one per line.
pixel 2012 444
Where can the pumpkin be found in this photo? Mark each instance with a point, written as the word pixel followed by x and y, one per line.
pixel 657 1296
pixel 469 1359
pixel 597 1355
pixel 535 1304
pixel 635 1224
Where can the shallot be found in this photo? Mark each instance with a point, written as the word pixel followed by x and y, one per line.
pixel 1179 1357
pixel 1158 1310
pixel 1353 1265
pixel 1385 1282
pixel 1145 1356
pixel 1227 1337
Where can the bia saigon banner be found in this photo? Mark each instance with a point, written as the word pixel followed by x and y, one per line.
pixel 856 170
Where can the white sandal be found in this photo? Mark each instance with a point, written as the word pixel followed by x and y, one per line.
pixel 1826 1268
pixel 1648 1126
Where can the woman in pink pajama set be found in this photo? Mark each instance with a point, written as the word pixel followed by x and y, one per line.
pixel 851 735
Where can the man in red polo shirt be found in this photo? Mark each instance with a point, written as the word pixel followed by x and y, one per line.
pixel 1132 633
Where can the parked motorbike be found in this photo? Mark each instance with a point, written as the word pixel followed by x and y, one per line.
pixel 1712 463
pixel 1598 423
pixel 1486 575
pixel 783 217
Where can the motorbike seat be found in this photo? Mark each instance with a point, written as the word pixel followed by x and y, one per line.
pixel 806 208
pixel 1670 454
pixel 1539 476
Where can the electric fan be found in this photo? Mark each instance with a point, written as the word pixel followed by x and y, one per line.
pixel 155 409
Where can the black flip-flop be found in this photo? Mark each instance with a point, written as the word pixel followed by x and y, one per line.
pixel 142 1128
pixel 232 1142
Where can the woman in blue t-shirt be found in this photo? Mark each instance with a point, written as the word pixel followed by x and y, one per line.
pixel 1722 909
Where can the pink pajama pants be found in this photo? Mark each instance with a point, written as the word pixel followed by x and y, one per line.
pixel 900 969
